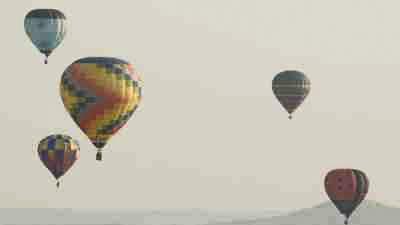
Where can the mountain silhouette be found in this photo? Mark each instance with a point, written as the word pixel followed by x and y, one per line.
pixel 368 213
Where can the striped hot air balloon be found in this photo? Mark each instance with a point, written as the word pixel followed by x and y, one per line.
pixel 46 28
pixel 100 94
pixel 58 153
pixel 346 188
pixel 291 88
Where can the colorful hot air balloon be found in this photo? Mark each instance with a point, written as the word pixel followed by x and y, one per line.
pixel 58 153
pixel 101 94
pixel 46 28
pixel 291 88
pixel 346 188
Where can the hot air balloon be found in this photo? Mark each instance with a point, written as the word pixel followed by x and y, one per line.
pixel 100 94
pixel 58 153
pixel 346 188
pixel 46 28
pixel 291 88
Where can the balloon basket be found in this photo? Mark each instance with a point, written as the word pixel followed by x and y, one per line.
pixel 99 156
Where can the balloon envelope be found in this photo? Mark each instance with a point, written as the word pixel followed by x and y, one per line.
pixel 58 153
pixel 46 28
pixel 291 88
pixel 346 188
pixel 100 94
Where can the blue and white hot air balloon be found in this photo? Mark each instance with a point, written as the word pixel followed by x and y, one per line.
pixel 46 28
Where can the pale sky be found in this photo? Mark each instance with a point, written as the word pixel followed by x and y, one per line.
pixel 209 133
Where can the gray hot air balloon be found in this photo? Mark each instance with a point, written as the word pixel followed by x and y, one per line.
pixel 291 88
pixel 46 28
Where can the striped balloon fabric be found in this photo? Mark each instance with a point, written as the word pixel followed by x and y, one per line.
pixel 291 88
pixel 346 188
pixel 58 153
pixel 100 94
pixel 46 28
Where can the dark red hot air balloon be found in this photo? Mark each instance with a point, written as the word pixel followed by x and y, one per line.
pixel 346 188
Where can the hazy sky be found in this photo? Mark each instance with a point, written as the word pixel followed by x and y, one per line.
pixel 209 132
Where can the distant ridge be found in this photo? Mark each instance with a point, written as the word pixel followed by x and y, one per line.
pixel 48 216
pixel 368 213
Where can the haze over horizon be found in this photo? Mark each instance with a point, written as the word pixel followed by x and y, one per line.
pixel 209 132
pixel 370 212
